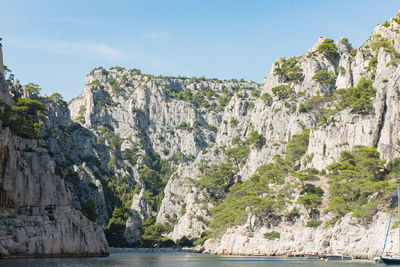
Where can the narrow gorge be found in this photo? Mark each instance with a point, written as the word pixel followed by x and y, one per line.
pixel 306 162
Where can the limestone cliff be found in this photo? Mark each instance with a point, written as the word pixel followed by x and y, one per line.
pixel 188 124
pixel 37 218
pixel 138 153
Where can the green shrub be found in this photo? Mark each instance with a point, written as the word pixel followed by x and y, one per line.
pixel 243 198
pixel 380 42
pixel 359 182
pixel 238 155
pixel 341 70
pixel 240 95
pixel 211 128
pixel 114 232
pixel 302 108
pixel 358 98
pixel 397 19
pixel 251 106
pixel 184 242
pixel 310 201
pixel 267 99
pixel 24 117
pixel 272 235
pixel 255 139
pixel 33 89
pixel 386 24
pixel 27 107
pixel 282 91
pixel 151 179
pixel 184 126
pixel 372 63
pixel 106 133
pixel 204 98
pixel 393 166
pixel 328 49
pixel 273 172
pixel 297 147
pixel 287 70
pixel 203 237
pixel 57 98
pixel 219 177
pixel 255 93
pixel 115 86
pixel 314 223
pixel 234 122
pixel 154 235
pixel 324 77
pixel 89 210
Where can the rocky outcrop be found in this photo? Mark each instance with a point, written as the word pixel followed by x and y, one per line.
pixel 378 60
pixel 37 218
pixel 151 115
pixel 346 238
pixel 139 213
pixel 4 93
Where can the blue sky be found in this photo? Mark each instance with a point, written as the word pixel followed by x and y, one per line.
pixel 56 43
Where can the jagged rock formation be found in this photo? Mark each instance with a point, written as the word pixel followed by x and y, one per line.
pixel 37 218
pixel 150 117
pixel 198 120
pixel 346 238
pixel 377 59
pixel 139 148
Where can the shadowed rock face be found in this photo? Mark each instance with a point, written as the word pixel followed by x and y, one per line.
pixel 36 215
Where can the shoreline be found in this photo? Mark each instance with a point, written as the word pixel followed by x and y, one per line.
pixel 181 250
pixel 201 251
pixel 157 250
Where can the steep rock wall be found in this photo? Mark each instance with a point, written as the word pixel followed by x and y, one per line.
pixel 37 218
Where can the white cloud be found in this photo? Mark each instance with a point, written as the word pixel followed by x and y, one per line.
pixel 86 48
pixel 82 48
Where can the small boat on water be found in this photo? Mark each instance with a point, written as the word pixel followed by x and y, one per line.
pixel 336 257
pixel 311 257
pixel 393 260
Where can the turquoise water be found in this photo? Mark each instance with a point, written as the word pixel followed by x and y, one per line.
pixel 178 259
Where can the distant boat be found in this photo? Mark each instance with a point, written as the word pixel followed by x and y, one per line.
pixel 393 260
pixel 335 257
pixel 348 258
pixel 311 257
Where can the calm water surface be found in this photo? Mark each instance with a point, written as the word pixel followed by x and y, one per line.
pixel 179 259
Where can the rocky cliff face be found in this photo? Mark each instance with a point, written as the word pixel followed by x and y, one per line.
pixel 147 156
pixel 171 118
pixel 37 218
pixel 378 60
pixel 191 123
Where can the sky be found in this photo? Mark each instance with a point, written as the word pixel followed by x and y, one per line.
pixel 57 43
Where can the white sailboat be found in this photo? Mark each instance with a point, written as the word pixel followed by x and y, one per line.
pixel 393 260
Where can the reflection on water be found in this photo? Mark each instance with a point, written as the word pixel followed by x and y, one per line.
pixel 178 259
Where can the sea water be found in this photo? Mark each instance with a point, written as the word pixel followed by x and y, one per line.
pixel 178 259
